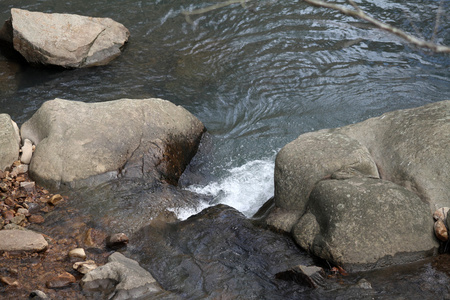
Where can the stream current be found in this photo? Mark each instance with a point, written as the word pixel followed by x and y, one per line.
pixel 257 76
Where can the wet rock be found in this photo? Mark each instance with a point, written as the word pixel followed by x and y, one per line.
pixel 440 230
pixel 37 219
pixel 153 139
pixel 38 295
pixel 9 142
pixel 55 199
pixel 121 278
pixel 22 240
pixel 60 281
pixel 117 241
pixel 65 40
pixel 85 267
pixel 77 253
pixel 313 276
pixel 223 250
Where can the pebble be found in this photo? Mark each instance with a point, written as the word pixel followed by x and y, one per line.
pixel 36 219
pixel 441 213
pixel 59 281
pixel 9 281
pixel 24 212
pixel 28 185
pixel 27 151
pixel 77 253
pixel 18 219
pixel 364 284
pixel 440 230
pixel 85 267
pixel 20 169
pixel 55 199
pixel 38 295
pixel 117 240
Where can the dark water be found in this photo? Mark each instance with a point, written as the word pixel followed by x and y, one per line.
pixel 256 76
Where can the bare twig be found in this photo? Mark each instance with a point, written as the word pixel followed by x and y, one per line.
pixel 359 13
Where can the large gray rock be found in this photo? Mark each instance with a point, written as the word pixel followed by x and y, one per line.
pixel 81 143
pixel 410 148
pixel 9 141
pixel 364 221
pixel 22 240
pixel 65 40
pixel 121 278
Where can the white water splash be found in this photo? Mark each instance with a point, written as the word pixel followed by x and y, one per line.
pixel 245 188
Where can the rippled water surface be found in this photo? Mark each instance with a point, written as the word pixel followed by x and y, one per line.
pixel 256 76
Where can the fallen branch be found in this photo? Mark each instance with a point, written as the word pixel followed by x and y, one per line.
pixel 359 13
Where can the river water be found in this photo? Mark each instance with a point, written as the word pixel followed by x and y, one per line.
pixel 257 76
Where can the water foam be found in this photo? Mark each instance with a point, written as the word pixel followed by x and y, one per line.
pixel 245 188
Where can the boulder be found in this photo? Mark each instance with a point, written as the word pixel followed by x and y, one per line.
pixel 22 240
pixel 120 278
pixel 66 40
pixel 365 222
pixel 407 149
pixel 9 142
pixel 411 148
pixel 88 143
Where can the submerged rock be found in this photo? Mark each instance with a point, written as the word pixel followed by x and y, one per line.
pixel 90 143
pixel 66 40
pixel 219 253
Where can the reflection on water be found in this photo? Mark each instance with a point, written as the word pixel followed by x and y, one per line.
pixel 257 77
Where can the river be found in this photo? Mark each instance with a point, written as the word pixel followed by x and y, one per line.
pixel 257 75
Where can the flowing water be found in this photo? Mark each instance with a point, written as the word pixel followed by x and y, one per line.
pixel 257 76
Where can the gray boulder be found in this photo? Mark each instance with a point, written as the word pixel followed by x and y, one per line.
pixel 88 143
pixel 408 149
pixel 22 240
pixel 411 147
pixel 66 40
pixel 365 222
pixel 9 141
pixel 121 278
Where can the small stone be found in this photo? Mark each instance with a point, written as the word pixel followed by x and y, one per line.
pixel 20 169
pixel 55 199
pixel 364 284
pixel 36 219
pixel 38 295
pixel 62 280
pixel 440 230
pixel 8 215
pixel 9 281
pixel 4 187
pixel 85 267
pixel 22 240
pixel 28 185
pixel 27 151
pixel 77 253
pixel 117 241
pixel 18 219
pixel 441 213
pixel 24 212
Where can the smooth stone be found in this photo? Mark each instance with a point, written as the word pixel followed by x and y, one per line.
pixel 85 267
pixel 27 151
pixel 9 281
pixel 22 240
pixel 20 169
pixel 77 253
pixel 18 219
pixel 55 199
pixel 9 142
pixel 117 240
pixel 28 185
pixel 37 219
pixel 440 230
pixel 38 295
pixel 441 213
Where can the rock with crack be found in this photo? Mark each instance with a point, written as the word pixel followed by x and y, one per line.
pixel 66 40
pixel 89 143
pixel 120 278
